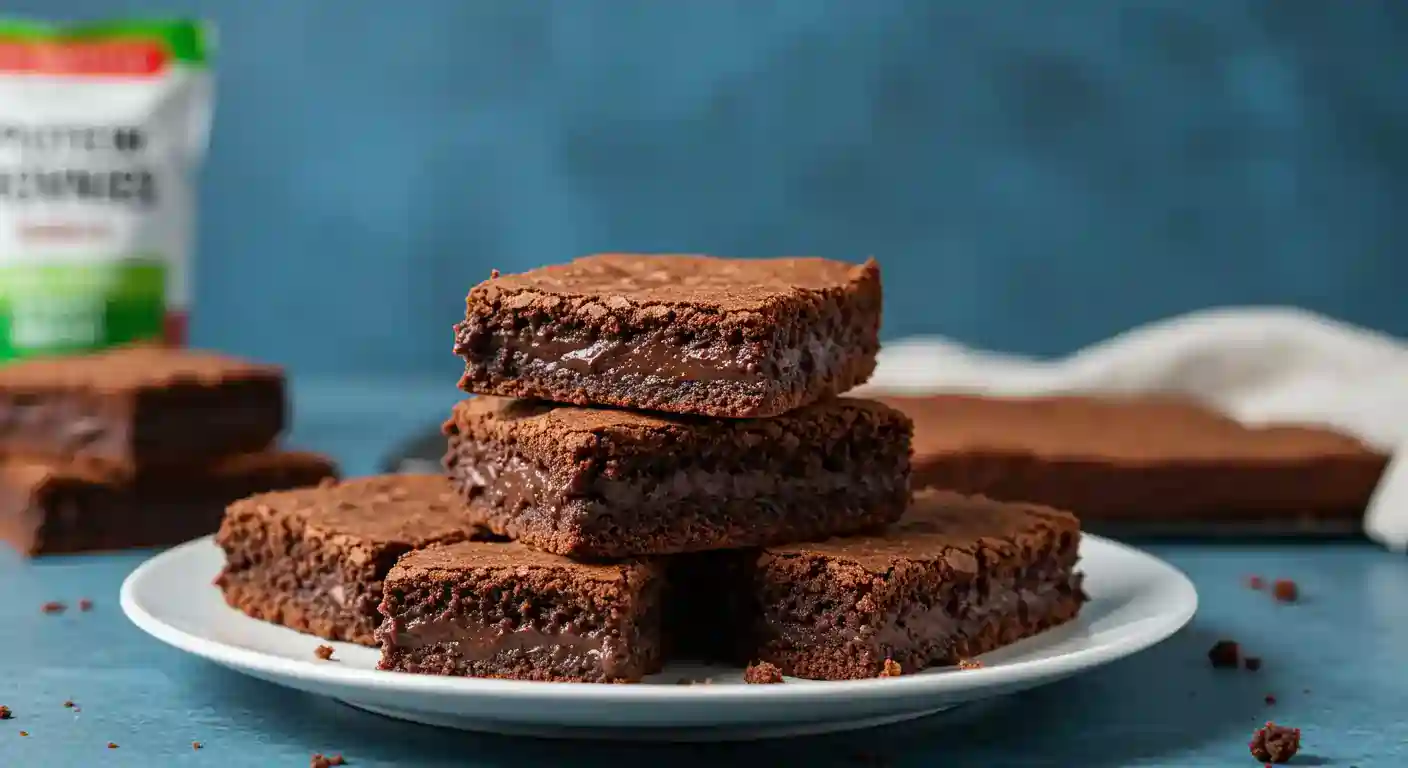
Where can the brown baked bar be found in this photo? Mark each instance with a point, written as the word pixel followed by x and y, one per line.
pixel 50 508
pixel 1147 459
pixel 139 406
pixel 502 610
pixel 683 334
pixel 607 483
pixel 959 576
pixel 314 559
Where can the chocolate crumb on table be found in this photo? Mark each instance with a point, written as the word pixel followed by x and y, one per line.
pixel 1285 591
pixel 1252 663
pixel 1274 743
pixel 1225 654
pixel 53 606
pixel 24 733
pixel 323 652
pixel 68 704
pixel 1256 582
pixel 602 483
pixel 1270 699
pixel 326 761
pixel 112 745
pixel 314 559
pixel 85 605
pixel 891 668
pixel 5 713
pixel 726 338
pixel 762 673
pixel 196 745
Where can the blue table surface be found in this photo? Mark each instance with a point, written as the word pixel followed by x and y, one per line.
pixel 1337 663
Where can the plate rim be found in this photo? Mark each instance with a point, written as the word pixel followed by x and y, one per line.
pixel 1148 633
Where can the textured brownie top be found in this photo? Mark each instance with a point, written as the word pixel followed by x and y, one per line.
pixel 443 561
pixel 389 509
pixel 32 472
pixel 727 285
pixel 127 369
pixel 1117 430
pixel 548 430
pixel 951 527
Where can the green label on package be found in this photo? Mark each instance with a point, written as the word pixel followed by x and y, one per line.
pixel 102 128
pixel 73 308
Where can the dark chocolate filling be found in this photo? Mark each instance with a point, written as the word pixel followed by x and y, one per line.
pixel 473 641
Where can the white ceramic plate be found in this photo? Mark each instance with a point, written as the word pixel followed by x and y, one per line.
pixel 1136 601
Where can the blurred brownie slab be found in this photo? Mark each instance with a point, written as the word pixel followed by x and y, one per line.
pixel 607 483
pixel 957 577
pixel 485 609
pixel 139 406
pixel 1152 460
pixel 53 508
pixel 729 338
pixel 314 559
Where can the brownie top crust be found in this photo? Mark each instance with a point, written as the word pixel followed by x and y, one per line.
pixel 440 561
pixel 726 285
pixel 948 527
pixel 1136 431
pixel 566 432
pixel 389 509
pixel 130 369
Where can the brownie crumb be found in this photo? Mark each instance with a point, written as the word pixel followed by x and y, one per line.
pixel 329 761
pixel 53 606
pixel 68 704
pixel 891 669
pixel 1252 663
pixel 1225 654
pixel 762 673
pixel 5 713
pixel 1256 582
pixel 1270 699
pixel 24 733
pixel 85 605
pixel 493 274
pixel 112 745
pixel 1285 591
pixel 323 652
pixel 1273 743
pixel 196 745
pixel 969 664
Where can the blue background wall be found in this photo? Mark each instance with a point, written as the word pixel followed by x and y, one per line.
pixel 1033 175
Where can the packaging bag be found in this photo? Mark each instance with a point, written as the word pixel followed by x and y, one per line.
pixel 102 131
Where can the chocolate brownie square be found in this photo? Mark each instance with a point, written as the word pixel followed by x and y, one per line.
pixel 484 609
pixel 1150 459
pixel 314 559
pixel 606 483
pixel 958 576
pixel 731 338
pixel 52 508
pixel 139 406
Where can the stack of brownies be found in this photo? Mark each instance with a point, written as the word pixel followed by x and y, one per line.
pixel 659 465
pixel 137 447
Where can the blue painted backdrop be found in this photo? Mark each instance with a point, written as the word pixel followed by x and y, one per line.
pixel 1032 175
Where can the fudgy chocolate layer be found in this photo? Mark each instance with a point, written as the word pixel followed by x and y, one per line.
pixel 958 577
pixel 499 610
pixel 715 337
pixel 643 485
pixel 314 559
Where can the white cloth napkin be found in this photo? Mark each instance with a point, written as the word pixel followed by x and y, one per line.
pixel 1263 365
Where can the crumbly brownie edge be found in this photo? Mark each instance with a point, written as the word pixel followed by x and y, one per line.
pixel 277 570
pixel 524 623
pixel 820 619
pixel 837 478
pixel 828 338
